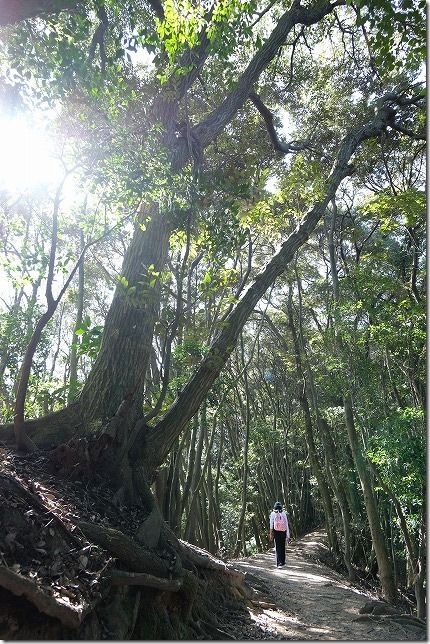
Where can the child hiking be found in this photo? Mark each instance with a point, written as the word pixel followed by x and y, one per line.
pixel 280 532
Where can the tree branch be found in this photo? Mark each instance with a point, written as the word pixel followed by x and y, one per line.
pixel 157 8
pixel 260 14
pixel 12 11
pixel 419 136
pixel 214 124
pixel 162 436
pixel 267 115
pixel 98 38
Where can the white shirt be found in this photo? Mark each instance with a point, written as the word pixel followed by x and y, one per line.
pixel 272 519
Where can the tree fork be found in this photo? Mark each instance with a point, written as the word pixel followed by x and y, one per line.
pixel 163 435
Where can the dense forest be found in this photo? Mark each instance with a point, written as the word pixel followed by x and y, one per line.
pixel 215 297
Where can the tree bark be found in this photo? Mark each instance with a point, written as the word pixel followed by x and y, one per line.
pixel 385 568
pixel 378 540
pixel 12 11
pixel 313 454
pixel 124 355
pixel 164 434
pixel 73 383
pixel 240 535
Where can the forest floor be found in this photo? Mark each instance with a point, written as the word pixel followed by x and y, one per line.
pixel 52 562
pixel 307 600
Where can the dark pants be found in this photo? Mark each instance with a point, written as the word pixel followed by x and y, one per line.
pixel 280 538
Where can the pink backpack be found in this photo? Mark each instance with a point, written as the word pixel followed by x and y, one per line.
pixel 280 522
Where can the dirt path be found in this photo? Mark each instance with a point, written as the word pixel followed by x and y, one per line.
pixel 313 602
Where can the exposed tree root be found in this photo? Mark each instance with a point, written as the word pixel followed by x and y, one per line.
pixel 68 614
pixel 122 578
pixel 202 559
pixel 67 578
pixel 125 549
pixel 213 632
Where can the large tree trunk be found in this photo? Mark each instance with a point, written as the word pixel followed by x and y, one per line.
pixel 119 370
pixel 129 326
pixel 122 362
pixel 118 373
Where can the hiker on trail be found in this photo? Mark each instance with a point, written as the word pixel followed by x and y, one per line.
pixel 280 532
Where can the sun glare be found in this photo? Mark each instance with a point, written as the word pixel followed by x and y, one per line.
pixel 25 156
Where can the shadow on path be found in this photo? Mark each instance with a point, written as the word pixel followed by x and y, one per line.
pixel 313 602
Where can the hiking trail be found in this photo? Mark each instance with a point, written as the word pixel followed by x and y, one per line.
pixel 307 600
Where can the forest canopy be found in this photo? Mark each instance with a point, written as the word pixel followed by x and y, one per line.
pixel 217 282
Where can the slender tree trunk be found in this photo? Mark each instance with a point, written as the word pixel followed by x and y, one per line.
pixel 191 464
pixel 332 467
pixel 378 540
pixel 413 550
pixel 191 519
pixel 420 576
pixel 304 403
pixel 79 313
pixel 211 525
pixel 240 539
pixel 22 439
pixel 217 508
pixel 339 490
pixel 175 492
